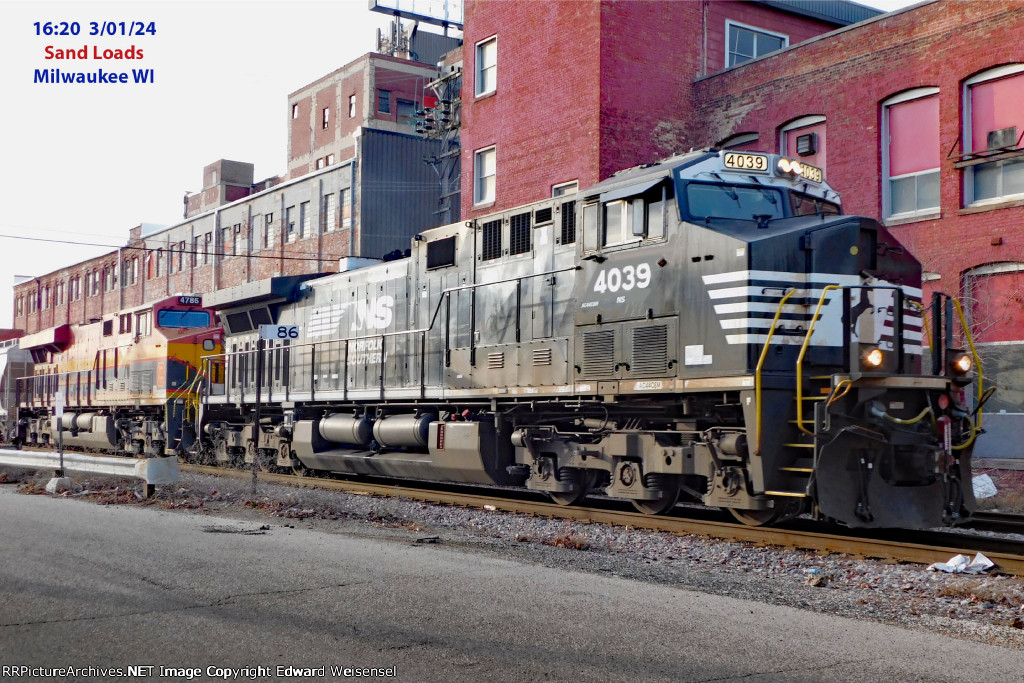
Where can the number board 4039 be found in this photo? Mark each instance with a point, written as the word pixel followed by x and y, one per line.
pixel 743 161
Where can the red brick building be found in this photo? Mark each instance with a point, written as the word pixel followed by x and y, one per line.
pixel 916 116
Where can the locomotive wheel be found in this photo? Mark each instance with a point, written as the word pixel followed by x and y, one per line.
pixel 658 506
pixel 581 485
pixel 783 510
pixel 756 517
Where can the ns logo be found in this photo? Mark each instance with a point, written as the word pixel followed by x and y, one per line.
pixel 375 314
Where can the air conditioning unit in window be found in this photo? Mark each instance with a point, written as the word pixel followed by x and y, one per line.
pixel 1004 137
pixel 807 144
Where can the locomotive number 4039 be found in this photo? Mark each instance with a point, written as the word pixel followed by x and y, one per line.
pixel 746 162
pixel 626 278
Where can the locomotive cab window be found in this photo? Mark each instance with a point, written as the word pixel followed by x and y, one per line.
pixel 742 202
pixel 176 317
pixel 806 205
pixel 634 218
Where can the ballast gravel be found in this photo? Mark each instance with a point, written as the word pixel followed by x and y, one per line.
pixel 987 609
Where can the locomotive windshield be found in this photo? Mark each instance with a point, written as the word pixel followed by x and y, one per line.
pixel 176 317
pixel 806 205
pixel 744 202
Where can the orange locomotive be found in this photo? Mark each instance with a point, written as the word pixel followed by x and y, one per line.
pixel 128 381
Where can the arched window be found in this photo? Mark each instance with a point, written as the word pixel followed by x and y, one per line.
pixel 910 153
pixel 741 142
pixel 993 297
pixel 993 126
pixel 804 139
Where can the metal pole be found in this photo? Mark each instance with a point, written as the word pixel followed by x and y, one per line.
pixel 260 346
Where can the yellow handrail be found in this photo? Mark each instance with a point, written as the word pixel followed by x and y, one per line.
pixel 760 364
pixel 977 363
pixel 800 361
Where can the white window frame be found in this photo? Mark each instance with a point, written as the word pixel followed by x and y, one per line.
pixel 802 122
pixel 478 159
pixel 739 139
pixel 908 96
pixel 730 24
pixel 351 106
pixel 967 130
pixel 480 68
pixel 574 184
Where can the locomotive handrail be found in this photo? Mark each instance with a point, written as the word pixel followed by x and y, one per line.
pixel 444 298
pixel 760 365
pixel 977 364
pixel 800 359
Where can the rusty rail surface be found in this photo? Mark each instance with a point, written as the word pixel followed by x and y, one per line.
pixel 801 539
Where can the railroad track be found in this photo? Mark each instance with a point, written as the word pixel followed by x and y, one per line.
pixel 918 547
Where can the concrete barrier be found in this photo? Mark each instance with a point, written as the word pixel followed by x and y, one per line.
pixel 153 471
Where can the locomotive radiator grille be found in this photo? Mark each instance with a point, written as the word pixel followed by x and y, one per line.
pixel 491 240
pixel 599 353
pixel 650 349
pixel 542 357
pixel 568 223
pixel 495 361
pixel 519 234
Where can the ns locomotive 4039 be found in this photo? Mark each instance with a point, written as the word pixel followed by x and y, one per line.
pixel 708 327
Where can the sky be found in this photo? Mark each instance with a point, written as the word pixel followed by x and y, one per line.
pixel 85 163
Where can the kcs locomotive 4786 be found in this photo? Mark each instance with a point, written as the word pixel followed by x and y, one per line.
pixel 708 327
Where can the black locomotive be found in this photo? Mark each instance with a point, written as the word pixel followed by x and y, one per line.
pixel 708 327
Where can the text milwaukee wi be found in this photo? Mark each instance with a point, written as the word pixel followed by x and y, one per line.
pixel 56 76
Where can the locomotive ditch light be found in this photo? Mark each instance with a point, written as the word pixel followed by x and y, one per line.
pixel 790 166
pixel 873 359
pixel 960 363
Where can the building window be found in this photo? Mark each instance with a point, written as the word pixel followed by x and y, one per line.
pixel 19 305
pixel 910 153
pixel 295 111
pixel 46 297
pixel 95 282
pixel 406 111
pixel 741 142
pixel 484 175
pixel 304 219
pixel 268 231
pixel 225 239
pixel 804 139
pixel 991 295
pixel 747 42
pixel 330 159
pixel 289 221
pixel 487 66
pixel 384 101
pixel 563 189
pixel 181 257
pixel 321 162
pixel 159 261
pixel 325 118
pixel 328 211
pixel 207 247
pixel 236 246
pixel 351 106
pixel 345 200
pixel 993 127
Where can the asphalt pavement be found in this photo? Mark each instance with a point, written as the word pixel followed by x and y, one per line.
pixel 188 596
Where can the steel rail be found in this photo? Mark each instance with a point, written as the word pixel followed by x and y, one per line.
pixel 817 541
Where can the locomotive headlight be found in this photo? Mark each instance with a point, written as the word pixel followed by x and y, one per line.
pixel 961 363
pixel 785 166
pixel 873 359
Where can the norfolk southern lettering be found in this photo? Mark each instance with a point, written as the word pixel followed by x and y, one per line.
pixel 99 76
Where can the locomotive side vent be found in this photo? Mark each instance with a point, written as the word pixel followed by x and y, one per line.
pixel 492 240
pixel 568 223
pixel 599 353
pixel 496 361
pixel 650 349
pixel 542 356
pixel 541 216
pixel 519 234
